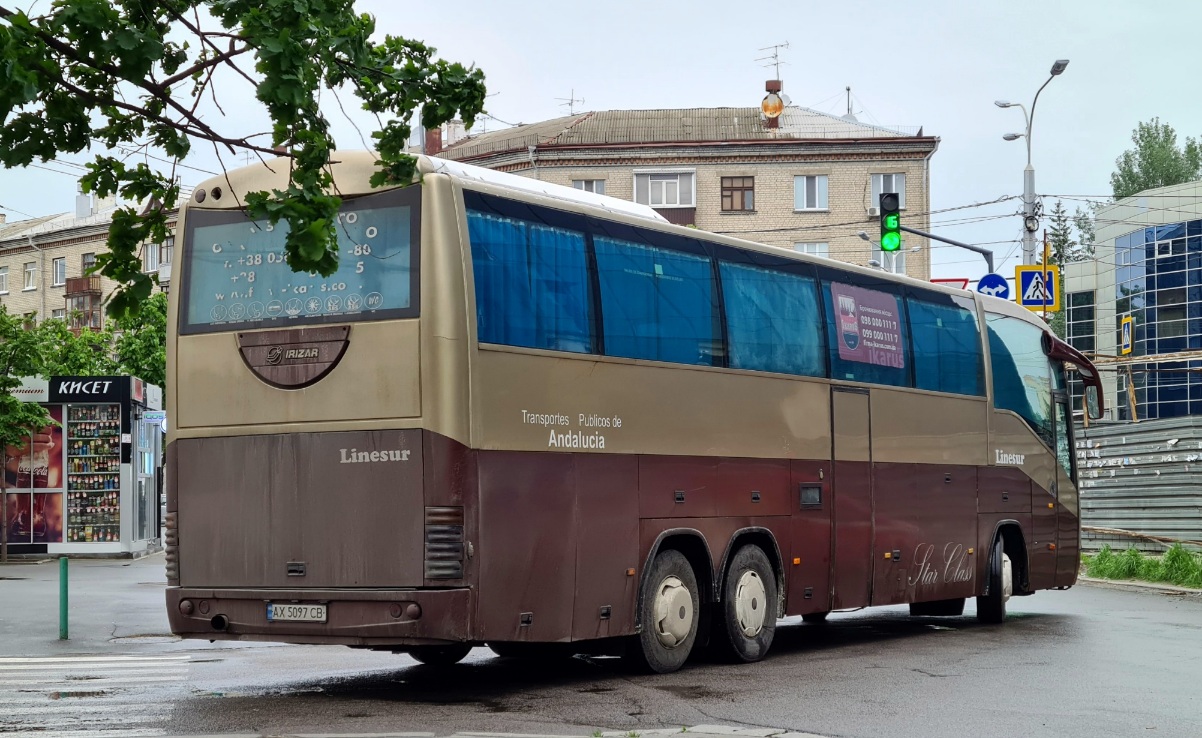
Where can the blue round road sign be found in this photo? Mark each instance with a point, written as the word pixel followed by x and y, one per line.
pixel 994 285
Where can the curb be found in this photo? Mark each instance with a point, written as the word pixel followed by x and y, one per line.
pixel 1137 586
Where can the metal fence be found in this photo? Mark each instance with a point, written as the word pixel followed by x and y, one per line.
pixel 1145 478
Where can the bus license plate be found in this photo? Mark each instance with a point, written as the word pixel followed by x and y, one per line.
pixel 296 613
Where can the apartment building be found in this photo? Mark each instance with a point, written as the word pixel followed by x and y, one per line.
pixel 806 180
pixel 44 263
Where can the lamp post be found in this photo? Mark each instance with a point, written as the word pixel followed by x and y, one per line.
pixel 1030 219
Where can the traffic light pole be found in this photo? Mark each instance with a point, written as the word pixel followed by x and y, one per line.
pixel 983 252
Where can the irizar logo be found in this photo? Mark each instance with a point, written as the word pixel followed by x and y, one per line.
pixel 355 456
pixel 278 354
pixel 1006 459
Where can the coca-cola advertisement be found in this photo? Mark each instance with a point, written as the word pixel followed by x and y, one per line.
pixel 38 463
pixel 20 517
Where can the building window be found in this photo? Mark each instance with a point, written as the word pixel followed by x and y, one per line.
pixel 31 275
pixel 60 314
pixel 809 192
pixel 590 185
pixel 167 250
pixel 888 183
pixel 85 311
pixel 3 280
pixel 59 271
pixel 664 190
pixel 738 193
pixel 814 249
pixel 87 261
pixel 150 257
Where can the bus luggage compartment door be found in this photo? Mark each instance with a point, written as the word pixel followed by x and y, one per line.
pixel 852 490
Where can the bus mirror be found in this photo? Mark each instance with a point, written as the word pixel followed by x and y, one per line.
pixel 1092 406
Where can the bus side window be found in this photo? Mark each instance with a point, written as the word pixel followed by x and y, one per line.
pixel 657 303
pixel 773 321
pixel 947 348
pixel 532 286
pixel 1022 374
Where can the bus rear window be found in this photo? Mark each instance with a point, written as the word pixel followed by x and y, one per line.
pixel 235 277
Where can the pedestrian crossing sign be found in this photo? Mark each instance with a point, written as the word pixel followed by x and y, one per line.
pixel 1127 341
pixel 1038 287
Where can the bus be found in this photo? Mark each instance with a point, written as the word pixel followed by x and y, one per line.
pixel 548 421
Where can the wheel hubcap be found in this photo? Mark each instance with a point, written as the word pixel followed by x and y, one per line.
pixel 1007 578
pixel 673 612
pixel 750 604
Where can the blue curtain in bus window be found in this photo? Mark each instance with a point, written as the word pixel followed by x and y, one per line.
pixel 773 322
pixel 947 348
pixel 656 304
pixel 1022 376
pixel 531 284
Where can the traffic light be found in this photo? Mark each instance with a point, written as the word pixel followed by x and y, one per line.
pixel 890 222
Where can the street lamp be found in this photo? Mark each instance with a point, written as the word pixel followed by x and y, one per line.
pixel 1030 221
pixel 877 263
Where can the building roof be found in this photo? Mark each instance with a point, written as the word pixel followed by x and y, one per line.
pixel 685 125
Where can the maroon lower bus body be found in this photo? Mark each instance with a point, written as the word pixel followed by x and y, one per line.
pixel 411 539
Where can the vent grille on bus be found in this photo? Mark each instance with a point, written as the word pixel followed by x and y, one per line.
pixel 444 543
pixel 171 544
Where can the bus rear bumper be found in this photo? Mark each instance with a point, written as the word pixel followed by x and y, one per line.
pixel 353 617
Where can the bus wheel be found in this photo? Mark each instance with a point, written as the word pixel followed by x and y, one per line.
pixel 817 618
pixel 748 606
pixel 991 608
pixel 669 615
pixel 440 655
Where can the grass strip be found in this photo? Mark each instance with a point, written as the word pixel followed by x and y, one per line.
pixel 1176 566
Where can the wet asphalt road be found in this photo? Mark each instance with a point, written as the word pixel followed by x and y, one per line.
pixel 1087 662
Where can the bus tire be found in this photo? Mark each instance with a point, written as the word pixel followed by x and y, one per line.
pixel 991 608
pixel 669 611
pixel 748 606
pixel 815 618
pixel 440 655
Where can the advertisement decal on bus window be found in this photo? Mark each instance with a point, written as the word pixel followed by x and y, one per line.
pixel 869 327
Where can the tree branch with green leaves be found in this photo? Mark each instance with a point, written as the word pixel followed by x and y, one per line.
pixel 112 74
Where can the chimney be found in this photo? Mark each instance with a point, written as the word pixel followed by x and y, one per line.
pixel 83 204
pixel 433 145
pixel 3 217
pixel 455 132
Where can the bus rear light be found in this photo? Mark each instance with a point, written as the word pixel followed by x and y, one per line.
pixel 444 543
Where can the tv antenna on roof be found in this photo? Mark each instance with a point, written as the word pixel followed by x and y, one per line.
pixel 571 102
pixel 774 57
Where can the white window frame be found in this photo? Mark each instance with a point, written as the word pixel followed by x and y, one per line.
pixel 150 258
pixel 31 276
pixel 664 176
pixel 596 186
pixel 58 271
pixel 3 280
pixel 820 249
pixel 801 192
pixel 84 262
pixel 60 314
pixel 167 251
pixel 878 182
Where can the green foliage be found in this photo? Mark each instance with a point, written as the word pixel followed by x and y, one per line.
pixel 64 353
pixel 1156 160
pixel 1067 246
pixel 1177 566
pixel 142 344
pixel 125 73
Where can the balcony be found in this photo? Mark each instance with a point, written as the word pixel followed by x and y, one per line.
pixel 83 286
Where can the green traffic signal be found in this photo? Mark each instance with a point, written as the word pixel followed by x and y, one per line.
pixel 890 222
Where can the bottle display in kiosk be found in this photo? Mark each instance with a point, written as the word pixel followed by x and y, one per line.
pixel 94 473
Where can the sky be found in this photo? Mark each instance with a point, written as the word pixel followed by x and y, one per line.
pixel 938 64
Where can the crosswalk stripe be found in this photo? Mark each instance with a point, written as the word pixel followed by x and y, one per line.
pixel 102 733
pixel 96 665
pixel 81 659
pixel 89 682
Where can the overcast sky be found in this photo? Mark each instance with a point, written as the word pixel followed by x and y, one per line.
pixel 938 64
